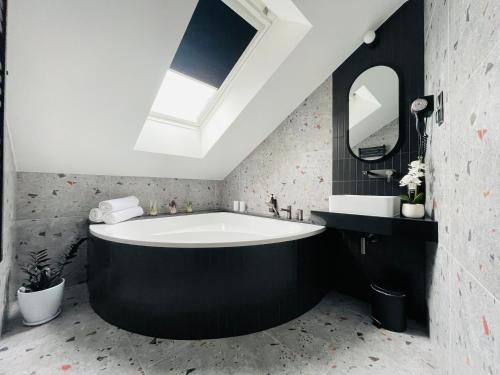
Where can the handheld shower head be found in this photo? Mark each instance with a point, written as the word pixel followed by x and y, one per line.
pixel 422 108
pixel 419 105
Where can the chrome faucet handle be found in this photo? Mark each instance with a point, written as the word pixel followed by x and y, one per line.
pixel 288 211
pixel 272 203
pixel 300 214
pixel 389 173
pixel 384 174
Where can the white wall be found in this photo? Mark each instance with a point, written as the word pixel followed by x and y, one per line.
pixel 83 75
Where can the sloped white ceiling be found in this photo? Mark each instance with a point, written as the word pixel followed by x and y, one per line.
pixel 83 75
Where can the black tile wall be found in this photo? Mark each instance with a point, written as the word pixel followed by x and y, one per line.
pixel 400 45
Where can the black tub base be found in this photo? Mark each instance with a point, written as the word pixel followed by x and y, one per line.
pixel 201 293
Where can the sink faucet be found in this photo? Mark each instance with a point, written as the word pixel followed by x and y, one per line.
pixel 384 174
pixel 288 211
pixel 273 206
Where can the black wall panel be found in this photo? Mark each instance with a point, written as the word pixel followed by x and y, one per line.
pixel 400 45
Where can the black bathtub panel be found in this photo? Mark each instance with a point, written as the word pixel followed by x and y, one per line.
pixel 194 293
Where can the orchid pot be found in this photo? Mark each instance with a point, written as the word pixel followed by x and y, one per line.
pixel 413 202
pixel 413 211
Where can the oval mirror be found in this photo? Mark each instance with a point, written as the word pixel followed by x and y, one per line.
pixel 374 114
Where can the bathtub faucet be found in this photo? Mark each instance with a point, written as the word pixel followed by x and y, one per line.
pixel 273 206
pixel 288 211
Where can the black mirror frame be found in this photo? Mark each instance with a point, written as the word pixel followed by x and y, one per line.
pixel 401 135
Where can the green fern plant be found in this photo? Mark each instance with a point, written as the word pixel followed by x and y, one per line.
pixel 41 274
pixel 37 271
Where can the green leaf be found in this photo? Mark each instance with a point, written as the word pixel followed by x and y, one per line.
pixel 71 253
pixel 419 199
pixel 405 198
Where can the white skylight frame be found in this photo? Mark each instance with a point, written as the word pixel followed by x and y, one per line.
pixel 286 30
pixel 256 14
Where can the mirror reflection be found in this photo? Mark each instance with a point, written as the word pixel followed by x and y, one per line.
pixel 374 113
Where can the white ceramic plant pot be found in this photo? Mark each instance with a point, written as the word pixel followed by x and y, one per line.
pixel 414 211
pixel 41 307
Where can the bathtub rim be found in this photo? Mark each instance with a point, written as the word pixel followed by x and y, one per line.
pixel 270 240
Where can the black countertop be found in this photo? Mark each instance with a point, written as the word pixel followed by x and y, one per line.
pixel 418 229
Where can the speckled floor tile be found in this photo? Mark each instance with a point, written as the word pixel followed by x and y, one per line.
pixel 373 350
pixel 335 337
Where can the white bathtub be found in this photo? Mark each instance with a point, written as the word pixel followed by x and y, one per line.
pixel 219 229
pixel 206 275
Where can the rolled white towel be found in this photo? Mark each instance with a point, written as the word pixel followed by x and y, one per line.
pixel 96 215
pixel 119 216
pixel 119 204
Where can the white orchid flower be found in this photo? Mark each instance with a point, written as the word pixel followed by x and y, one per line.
pixel 418 165
pixel 415 173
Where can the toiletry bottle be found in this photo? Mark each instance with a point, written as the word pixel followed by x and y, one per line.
pixel 243 206
pixel 153 208
pixel 172 207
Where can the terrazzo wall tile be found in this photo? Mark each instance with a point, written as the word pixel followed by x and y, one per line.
pixel 438 303
pixel 429 8
pixel 463 60
pixel 476 191
pixel 475 318
pixel 294 163
pixel 8 220
pixel 438 182
pixel 52 208
pixel 50 195
pixel 474 31
pixel 55 235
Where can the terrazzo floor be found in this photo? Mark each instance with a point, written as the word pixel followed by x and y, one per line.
pixel 336 337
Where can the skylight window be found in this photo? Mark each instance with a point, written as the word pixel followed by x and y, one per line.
pixel 215 40
pixel 182 97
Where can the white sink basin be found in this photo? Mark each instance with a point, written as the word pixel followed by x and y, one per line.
pixel 370 205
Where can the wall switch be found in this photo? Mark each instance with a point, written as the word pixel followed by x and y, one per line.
pixel 440 109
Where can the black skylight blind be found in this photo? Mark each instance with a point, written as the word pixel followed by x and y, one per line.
pixel 214 40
